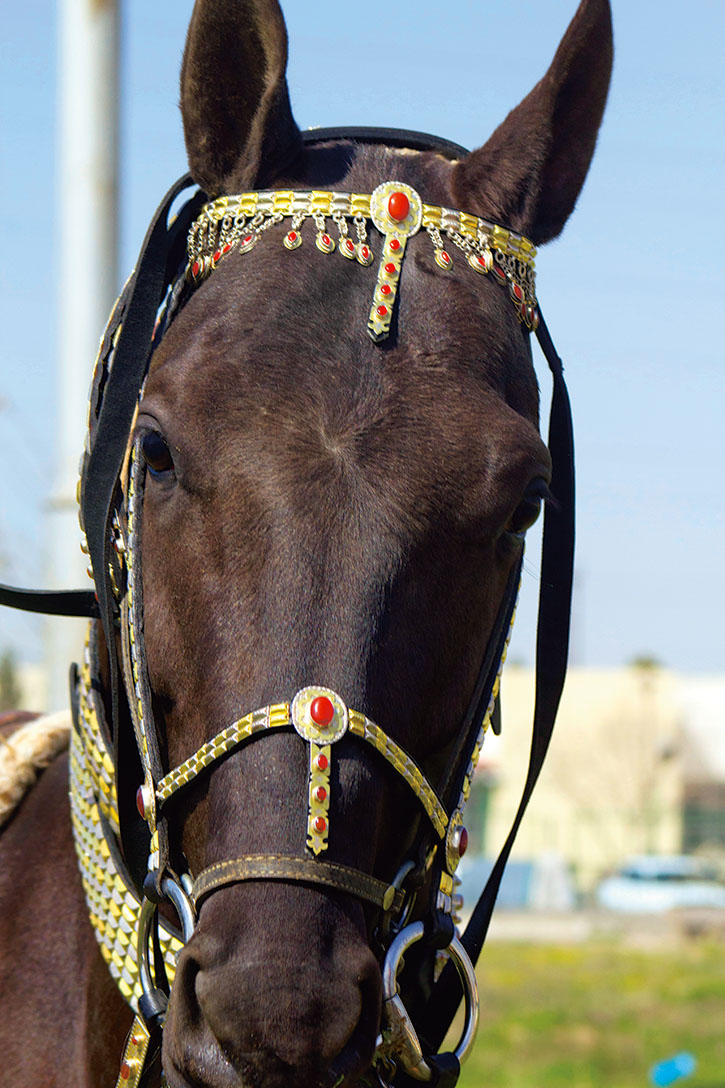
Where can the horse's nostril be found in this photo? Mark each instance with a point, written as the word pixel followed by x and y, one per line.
pixel 272 1023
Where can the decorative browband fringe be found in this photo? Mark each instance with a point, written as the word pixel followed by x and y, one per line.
pixel 236 223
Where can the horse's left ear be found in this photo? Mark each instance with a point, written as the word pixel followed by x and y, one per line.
pixel 238 124
pixel 530 173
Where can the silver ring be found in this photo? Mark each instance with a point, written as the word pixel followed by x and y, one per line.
pixel 404 1038
pixel 174 892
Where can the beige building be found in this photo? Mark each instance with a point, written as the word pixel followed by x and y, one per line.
pixel 618 777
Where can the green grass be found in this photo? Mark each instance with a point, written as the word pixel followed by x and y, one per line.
pixel 597 1015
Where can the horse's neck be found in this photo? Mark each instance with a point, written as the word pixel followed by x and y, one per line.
pixel 64 1022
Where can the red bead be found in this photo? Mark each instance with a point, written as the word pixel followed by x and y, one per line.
pixel 389 269
pixel 462 842
pixel 292 236
pixel 322 711
pixel 125 1071
pixel 320 824
pixel 394 244
pixel 398 207
pixel 140 802
pixel 320 794
pixel 385 289
pixel 382 311
pixel 322 762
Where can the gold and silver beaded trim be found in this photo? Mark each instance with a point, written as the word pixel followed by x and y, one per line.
pixel 113 907
pixel 454 845
pixel 298 714
pixel 235 223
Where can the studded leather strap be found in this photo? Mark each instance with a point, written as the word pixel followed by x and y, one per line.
pixel 300 870
pixel 278 716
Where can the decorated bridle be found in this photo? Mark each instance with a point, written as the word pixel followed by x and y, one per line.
pixel 139 947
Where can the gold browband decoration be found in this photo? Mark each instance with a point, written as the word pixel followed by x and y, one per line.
pixel 396 210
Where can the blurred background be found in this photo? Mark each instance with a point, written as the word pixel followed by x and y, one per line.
pixel 614 895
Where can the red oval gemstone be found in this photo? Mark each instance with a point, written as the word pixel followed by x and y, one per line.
pixel 217 256
pixel 292 236
pixel 320 794
pixel 322 762
pixel 517 292
pixel 195 268
pixel 247 240
pixel 389 268
pixel 398 206
pixel 226 247
pixel 125 1071
pixel 382 311
pixel 349 245
pixel 140 802
pixel 462 842
pixel 320 824
pixel 395 244
pixel 385 289
pixel 326 239
pixel 365 252
pixel 322 711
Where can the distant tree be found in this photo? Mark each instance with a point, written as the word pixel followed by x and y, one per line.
pixel 645 662
pixel 10 693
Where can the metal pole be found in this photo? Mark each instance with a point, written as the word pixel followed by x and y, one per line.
pixel 87 281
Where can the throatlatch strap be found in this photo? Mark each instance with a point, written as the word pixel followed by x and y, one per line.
pixel 552 648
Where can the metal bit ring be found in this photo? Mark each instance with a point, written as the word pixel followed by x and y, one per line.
pixel 404 1043
pixel 174 892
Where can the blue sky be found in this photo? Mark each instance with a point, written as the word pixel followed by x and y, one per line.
pixel 633 291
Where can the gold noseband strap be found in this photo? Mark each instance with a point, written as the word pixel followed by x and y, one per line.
pixel 300 870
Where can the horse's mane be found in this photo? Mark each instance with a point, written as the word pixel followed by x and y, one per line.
pixel 26 752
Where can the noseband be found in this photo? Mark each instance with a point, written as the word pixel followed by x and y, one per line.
pixel 176 258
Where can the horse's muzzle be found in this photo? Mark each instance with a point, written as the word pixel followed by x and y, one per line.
pixel 282 999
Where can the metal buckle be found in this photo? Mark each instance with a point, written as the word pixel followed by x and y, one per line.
pixel 402 1042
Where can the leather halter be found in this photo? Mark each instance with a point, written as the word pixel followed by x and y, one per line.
pixel 115 394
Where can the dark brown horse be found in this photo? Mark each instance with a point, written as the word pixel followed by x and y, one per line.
pixel 320 509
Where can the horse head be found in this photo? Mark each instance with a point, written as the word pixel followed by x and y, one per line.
pixel 329 509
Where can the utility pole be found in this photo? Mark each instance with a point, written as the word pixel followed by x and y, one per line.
pixel 87 283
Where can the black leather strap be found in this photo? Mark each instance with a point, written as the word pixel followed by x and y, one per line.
pixel 67 602
pixel 389 137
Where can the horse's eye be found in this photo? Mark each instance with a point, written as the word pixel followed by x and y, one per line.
pixel 528 509
pixel 156 453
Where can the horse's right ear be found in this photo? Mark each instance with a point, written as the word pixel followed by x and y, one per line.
pixel 238 124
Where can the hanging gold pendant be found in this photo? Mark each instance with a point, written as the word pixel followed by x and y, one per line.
pixel 324 242
pixel 321 718
pixel 318 821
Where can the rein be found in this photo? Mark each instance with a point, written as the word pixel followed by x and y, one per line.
pixel 175 258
